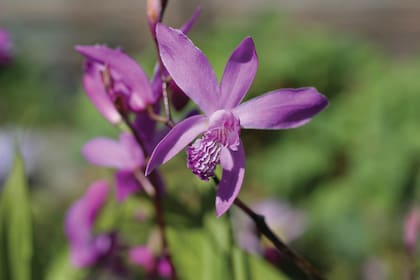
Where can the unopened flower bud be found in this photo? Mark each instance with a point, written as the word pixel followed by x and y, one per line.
pixel 154 8
pixel 154 13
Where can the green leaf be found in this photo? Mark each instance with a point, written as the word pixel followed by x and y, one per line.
pixel 209 253
pixel 186 249
pixel 61 269
pixel 251 267
pixel 16 225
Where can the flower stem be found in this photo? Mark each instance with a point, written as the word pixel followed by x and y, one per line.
pixel 152 189
pixel 301 263
pixel 156 194
pixel 170 122
pixel 156 117
pixel 162 227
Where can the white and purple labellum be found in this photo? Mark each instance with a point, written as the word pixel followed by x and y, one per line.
pixel 203 155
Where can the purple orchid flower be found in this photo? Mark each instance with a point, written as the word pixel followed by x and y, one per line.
pixel 85 248
pixel 223 114
pixel 5 47
pixel 115 83
pixel 124 155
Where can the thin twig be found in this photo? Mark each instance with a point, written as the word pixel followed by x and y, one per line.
pixel 156 117
pixel 166 101
pixel 302 264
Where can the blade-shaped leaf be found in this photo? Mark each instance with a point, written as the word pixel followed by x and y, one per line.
pixel 249 267
pixel 209 253
pixel 16 225
pixel 61 269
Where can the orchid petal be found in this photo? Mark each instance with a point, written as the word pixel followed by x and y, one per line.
pixel 132 148
pixel 233 165
pixel 281 109
pixel 146 129
pixel 125 185
pixel 176 139
pixel 125 66
pixel 189 67
pixel 156 82
pixel 239 73
pixel 79 221
pixel 123 155
pixel 159 70
pixel 95 90
pixel 185 28
pixel 83 212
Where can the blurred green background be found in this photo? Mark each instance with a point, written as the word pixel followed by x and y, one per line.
pixel 354 170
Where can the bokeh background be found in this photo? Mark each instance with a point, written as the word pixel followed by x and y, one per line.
pixel 354 171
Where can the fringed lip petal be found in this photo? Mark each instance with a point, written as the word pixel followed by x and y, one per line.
pixel 233 165
pixel 133 74
pixel 239 74
pixel 177 138
pixel 281 109
pixel 189 67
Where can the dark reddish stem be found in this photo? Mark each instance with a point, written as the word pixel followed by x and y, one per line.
pixel 157 203
pixel 162 226
pixel 157 195
pixel 301 263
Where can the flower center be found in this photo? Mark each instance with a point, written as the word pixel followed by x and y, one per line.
pixel 203 155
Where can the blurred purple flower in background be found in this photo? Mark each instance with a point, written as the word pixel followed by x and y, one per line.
pixel 224 115
pixel 144 257
pixel 6 47
pixel 285 221
pixel 86 248
pixel 411 230
pixel 124 155
pixel 375 269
